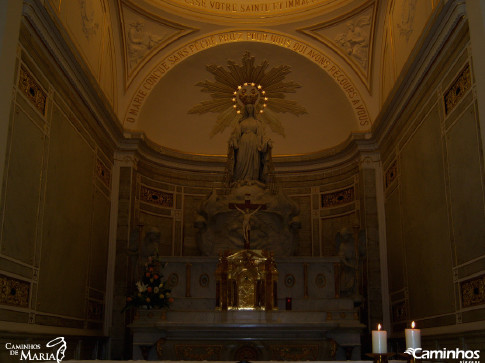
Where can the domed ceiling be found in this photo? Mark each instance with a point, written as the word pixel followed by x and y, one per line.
pixel 149 55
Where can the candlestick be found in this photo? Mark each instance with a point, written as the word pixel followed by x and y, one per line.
pixel 379 341
pixel 413 337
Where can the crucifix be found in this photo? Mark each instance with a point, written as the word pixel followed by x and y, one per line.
pixel 247 209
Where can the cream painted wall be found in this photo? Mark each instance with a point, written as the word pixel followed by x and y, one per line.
pixel 434 199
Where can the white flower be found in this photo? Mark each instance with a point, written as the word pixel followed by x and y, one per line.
pixel 141 286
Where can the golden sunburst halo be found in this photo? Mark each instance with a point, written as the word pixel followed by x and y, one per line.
pixel 238 85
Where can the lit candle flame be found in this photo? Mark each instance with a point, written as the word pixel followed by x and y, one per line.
pixel 413 324
pixel 379 327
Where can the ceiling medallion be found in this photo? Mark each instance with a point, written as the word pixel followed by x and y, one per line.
pixel 240 85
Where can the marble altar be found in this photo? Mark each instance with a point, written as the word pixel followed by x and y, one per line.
pixel 320 326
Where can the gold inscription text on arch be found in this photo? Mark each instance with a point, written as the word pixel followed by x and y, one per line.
pixel 282 40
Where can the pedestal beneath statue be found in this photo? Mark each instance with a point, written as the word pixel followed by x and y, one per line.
pixel 319 326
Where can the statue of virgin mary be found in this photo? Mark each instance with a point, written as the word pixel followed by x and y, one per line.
pixel 249 148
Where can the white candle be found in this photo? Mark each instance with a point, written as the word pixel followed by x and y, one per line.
pixel 379 341
pixel 413 337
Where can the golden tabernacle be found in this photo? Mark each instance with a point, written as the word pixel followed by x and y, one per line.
pixel 246 280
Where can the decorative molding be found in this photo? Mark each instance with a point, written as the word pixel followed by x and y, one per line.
pixel 337 198
pixel 289 280
pixel 188 274
pixel 154 196
pixel 247 352
pixel 173 280
pixel 198 352
pixel 391 174
pixel 320 281
pixel 204 280
pixel 352 37
pixel 458 89
pixel 159 347
pixel 450 18
pixel 32 90
pixel 14 292
pixel 294 352
pixel 103 173
pixel 473 292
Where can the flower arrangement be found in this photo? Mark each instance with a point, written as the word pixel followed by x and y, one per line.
pixel 152 291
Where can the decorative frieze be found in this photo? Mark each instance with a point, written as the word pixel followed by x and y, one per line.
pixel 14 292
pixel 103 173
pixel 155 196
pixel 34 93
pixel 391 174
pixel 473 292
pixel 337 198
pixel 198 352
pixel 457 90
pixel 294 352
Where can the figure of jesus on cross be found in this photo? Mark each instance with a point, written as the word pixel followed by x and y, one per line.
pixel 247 209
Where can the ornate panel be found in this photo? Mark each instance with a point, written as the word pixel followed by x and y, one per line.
pixel 103 173
pixel 458 89
pixel 294 352
pixel 14 291
pixel 157 197
pixel 337 198
pixel 473 292
pixel 32 90
pixel 391 174
pixel 198 352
